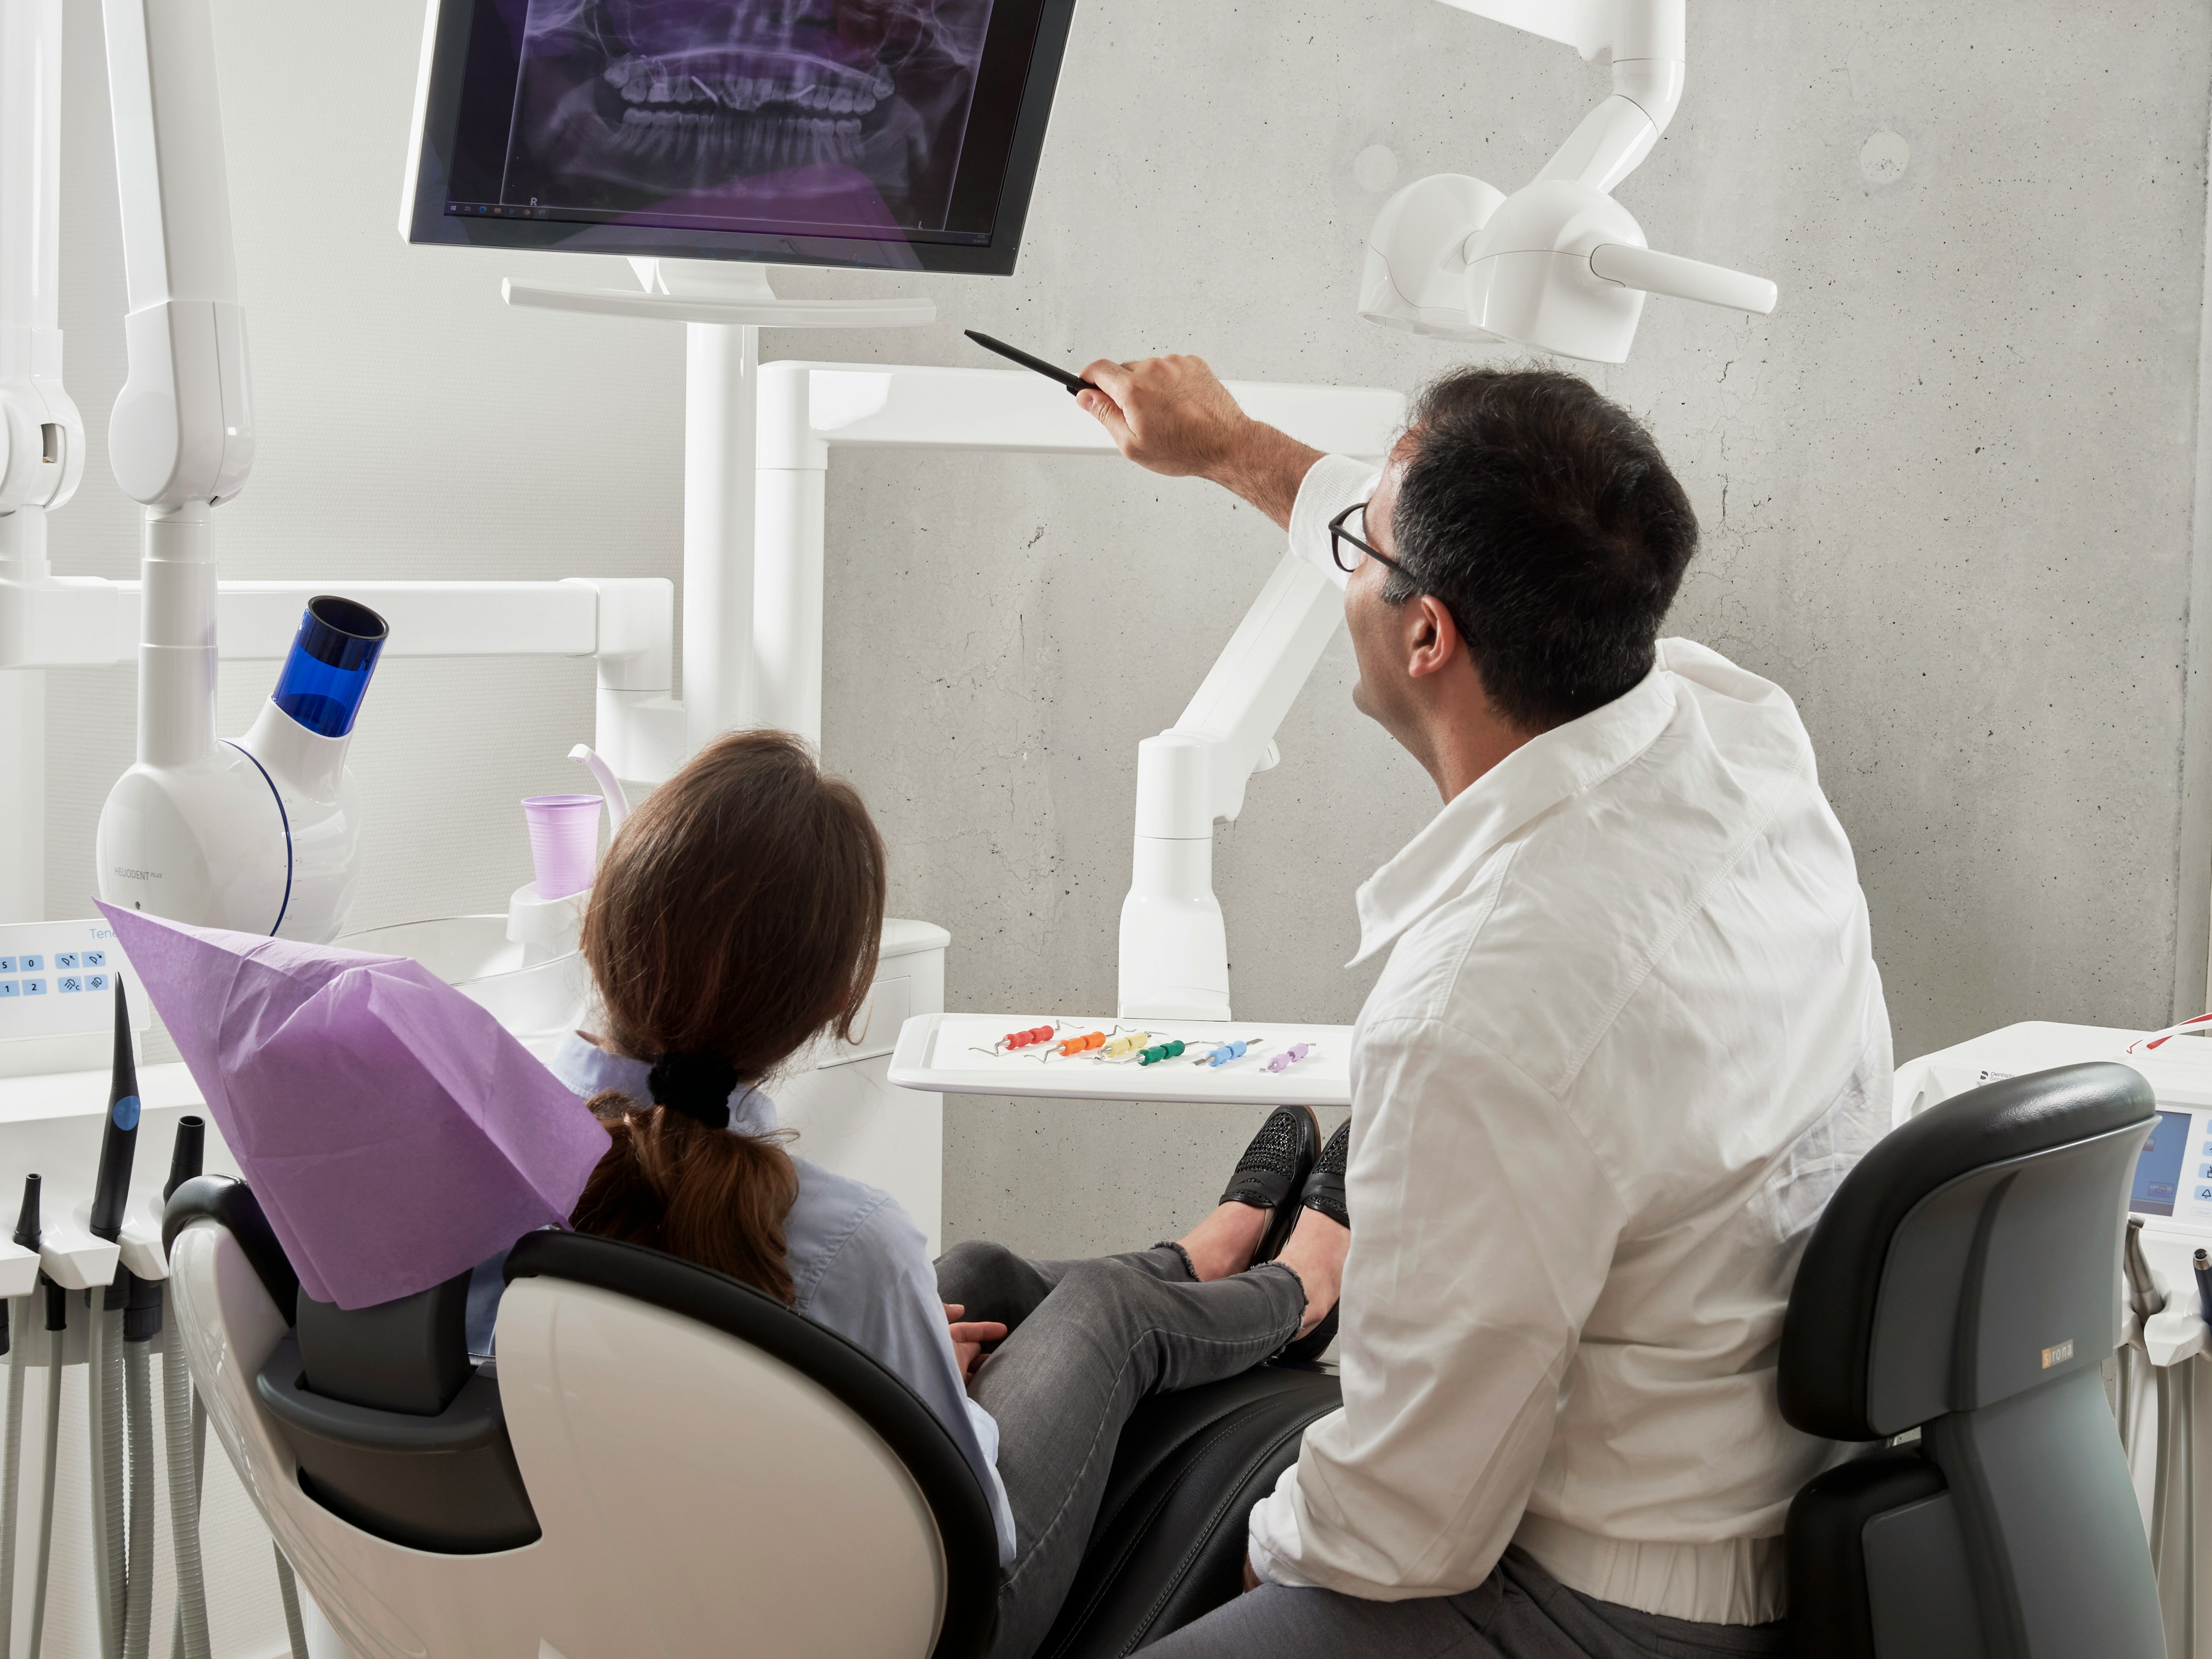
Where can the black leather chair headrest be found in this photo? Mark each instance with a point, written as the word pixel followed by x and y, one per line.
pixel 231 1204
pixel 1972 1253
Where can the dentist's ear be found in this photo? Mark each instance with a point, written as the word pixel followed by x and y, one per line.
pixel 1434 640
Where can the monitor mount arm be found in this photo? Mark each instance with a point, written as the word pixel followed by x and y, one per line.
pixel 1558 265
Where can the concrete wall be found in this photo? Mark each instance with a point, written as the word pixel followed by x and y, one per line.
pixel 1948 493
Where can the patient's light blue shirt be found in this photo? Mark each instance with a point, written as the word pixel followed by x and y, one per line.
pixel 858 1265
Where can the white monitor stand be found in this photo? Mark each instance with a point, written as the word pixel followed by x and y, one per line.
pixel 848 1117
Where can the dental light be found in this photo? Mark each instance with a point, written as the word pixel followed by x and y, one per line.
pixel 261 835
pixel 1558 265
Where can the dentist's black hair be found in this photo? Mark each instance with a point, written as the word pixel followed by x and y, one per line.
pixel 1543 517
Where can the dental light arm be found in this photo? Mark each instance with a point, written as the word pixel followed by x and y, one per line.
pixel 1174 947
pixel 1558 265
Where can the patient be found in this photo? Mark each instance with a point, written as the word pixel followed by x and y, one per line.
pixel 736 918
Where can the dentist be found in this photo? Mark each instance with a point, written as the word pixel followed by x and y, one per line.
pixel 1629 1039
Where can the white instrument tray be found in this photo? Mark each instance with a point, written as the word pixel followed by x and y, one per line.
pixel 939 1054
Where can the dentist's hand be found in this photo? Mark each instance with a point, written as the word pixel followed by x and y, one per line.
pixel 1171 416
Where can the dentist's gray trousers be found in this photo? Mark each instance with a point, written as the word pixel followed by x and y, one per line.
pixel 1519 1612
pixel 1090 1341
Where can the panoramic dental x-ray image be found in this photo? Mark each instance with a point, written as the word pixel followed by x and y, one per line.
pixel 800 114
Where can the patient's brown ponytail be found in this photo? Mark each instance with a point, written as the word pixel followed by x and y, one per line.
pixel 736 916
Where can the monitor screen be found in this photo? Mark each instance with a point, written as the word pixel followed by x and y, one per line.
pixel 2158 1170
pixel 899 134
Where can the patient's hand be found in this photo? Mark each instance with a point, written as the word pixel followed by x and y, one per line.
pixel 968 1336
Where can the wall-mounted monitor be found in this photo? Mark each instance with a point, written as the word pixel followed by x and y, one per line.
pixel 898 134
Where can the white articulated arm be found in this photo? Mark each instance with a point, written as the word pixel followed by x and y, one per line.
pixel 181 438
pixel 41 434
pixel 1174 946
pixel 1647 41
pixel 1558 264
pixel 183 429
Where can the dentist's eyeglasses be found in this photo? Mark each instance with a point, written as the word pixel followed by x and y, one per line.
pixel 1338 536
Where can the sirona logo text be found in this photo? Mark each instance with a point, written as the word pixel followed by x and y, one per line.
pixel 2058 1353
pixel 122 874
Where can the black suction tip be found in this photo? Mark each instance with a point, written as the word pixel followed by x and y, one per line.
pixel 27 1232
pixel 186 1154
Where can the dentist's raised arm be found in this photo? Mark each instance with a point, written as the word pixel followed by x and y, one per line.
pixel 1171 416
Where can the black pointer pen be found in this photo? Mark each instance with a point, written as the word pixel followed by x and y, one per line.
pixel 1015 354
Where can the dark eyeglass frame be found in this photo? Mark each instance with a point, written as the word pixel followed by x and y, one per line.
pixel 1338 535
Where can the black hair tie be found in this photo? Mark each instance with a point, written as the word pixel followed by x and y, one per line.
pixel 697 1086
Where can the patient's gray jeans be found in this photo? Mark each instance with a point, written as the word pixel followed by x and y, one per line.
pixel 1519 1612
pixel 1090 1339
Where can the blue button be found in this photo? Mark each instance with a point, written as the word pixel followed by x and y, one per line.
pixel 32 965
pixel 99 982
pixel 2204 1195
pixel 8 989
pixel 69 982
pixel 8 966
pixel 96 959
pixel 65 958
pixel 35 988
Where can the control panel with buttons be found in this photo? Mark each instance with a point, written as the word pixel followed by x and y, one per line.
pixel 58 978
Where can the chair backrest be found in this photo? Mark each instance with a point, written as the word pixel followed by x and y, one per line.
pixel 695 1464
pixel 1964 1282
pixel 751 1435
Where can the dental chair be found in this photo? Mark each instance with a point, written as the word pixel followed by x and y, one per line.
pixel 1952 1306
pixel 663 1461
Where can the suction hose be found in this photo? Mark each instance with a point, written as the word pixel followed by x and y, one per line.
pixel 110 1192
pixel 104 1397
pixel 189 1639
pixel 288 1587
pixel 57 1327
pixel 11 1471
pixel 27 1234
pixel 183 1428
pixel 139 1582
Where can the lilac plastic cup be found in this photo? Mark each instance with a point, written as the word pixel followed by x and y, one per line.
pixel 564 841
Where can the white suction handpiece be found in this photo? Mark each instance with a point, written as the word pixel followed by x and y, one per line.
pixel 610 786
pixel 1558 265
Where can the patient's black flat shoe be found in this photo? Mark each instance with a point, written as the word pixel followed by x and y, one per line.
pixel 1324 1191
pixel 1273 1174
